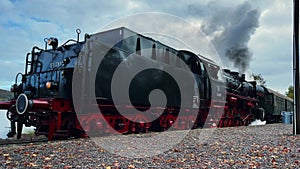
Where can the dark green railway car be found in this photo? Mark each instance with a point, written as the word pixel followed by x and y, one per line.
pixel 274 104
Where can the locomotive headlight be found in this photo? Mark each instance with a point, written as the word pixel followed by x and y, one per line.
pixel 52 85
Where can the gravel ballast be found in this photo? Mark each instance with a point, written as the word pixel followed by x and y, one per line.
pixel 270 146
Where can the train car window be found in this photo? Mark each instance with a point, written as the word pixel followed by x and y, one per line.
pixel 269 100
pixel 194 65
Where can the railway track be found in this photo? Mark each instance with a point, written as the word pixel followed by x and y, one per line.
pixel 25 140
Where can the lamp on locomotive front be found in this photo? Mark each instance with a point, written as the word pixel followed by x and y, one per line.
pixel 52 85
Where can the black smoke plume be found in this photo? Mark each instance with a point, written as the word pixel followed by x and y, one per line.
pixel 230 29
pixel 240 57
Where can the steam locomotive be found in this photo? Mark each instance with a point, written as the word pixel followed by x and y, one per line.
pixel 67 91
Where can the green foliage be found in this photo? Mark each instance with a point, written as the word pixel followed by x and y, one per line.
pixel 259 79
pixel 290 92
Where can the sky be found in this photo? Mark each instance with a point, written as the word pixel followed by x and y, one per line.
pixel 260 31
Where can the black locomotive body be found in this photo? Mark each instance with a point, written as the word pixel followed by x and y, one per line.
pixel 44 96
pixel 135 52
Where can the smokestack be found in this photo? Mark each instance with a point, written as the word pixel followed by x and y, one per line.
pixel 230 29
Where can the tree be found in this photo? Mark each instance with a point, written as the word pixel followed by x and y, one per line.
pixel 259 79
pixel 290 92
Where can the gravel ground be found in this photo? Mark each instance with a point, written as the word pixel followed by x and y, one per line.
pixel 270 146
